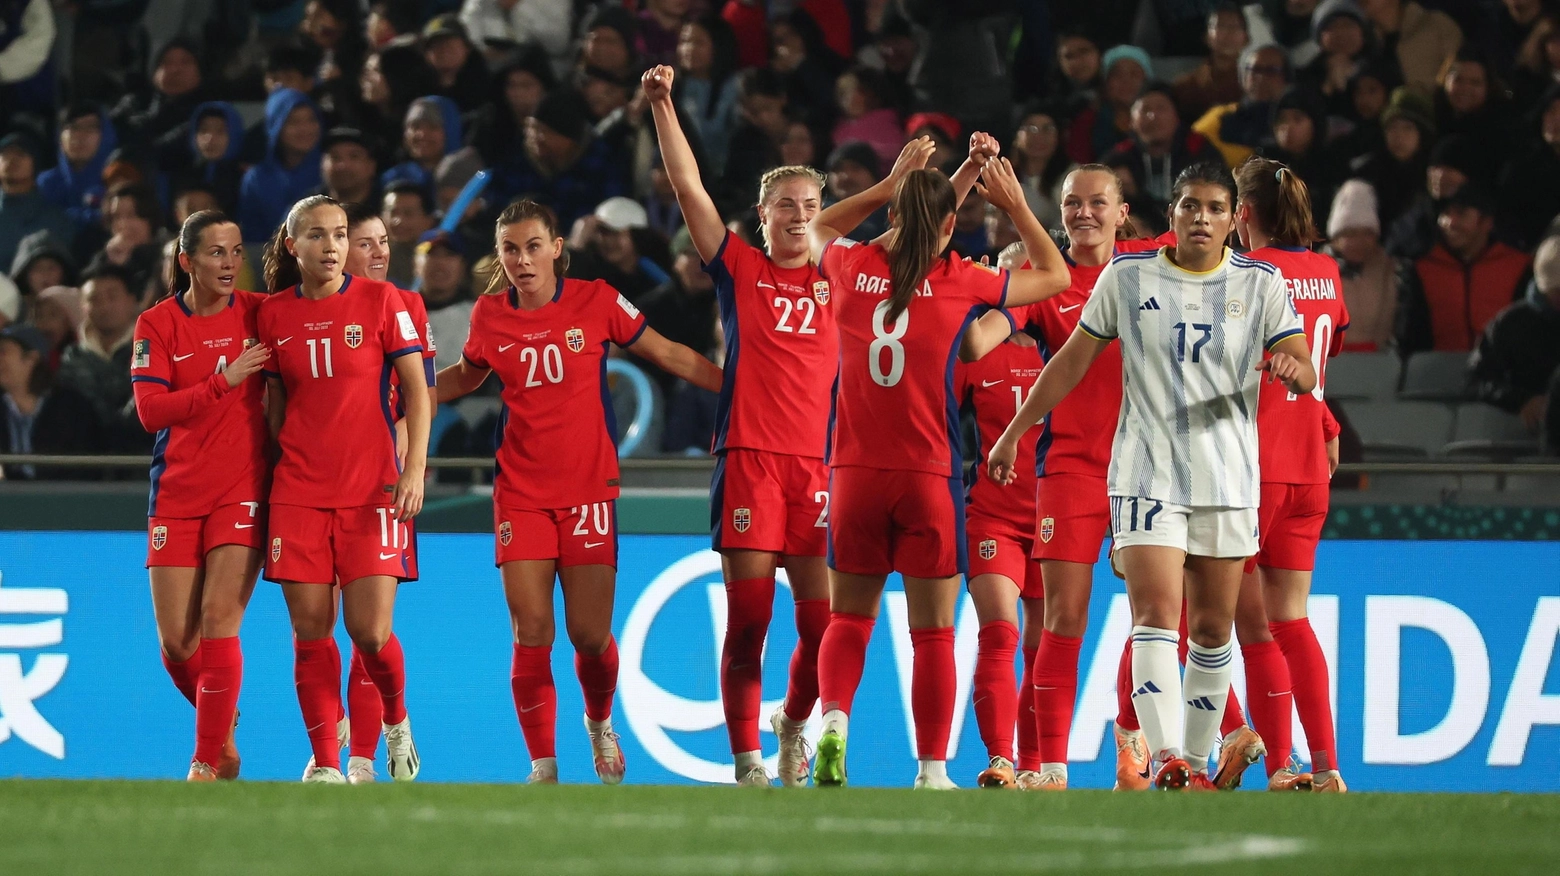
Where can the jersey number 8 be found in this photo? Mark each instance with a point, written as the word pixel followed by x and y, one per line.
pixel 886 338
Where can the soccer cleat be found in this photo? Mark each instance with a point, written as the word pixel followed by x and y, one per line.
pixel 400 752
pixel 1290 777
pixel 1131 761
pixel 829 765
pixel 998 775
pixel 1175 775
pixel 1027 780
pixel 609 755
pixel 1200 782
pixel 227 767
pixel 1051 781
pixel 935 783
pixel 360 771
pixel 343 739
pixel 200 772
pixel 324 776
pixel 1241 749
pixel 756 777
pixel 543 773
pixel 793 766
pixel 1328 782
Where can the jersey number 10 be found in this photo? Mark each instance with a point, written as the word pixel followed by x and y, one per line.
pixel 1321 342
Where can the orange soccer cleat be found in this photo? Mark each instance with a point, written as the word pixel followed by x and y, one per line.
pixel 1200 782
pixel 200 772
pixel 1131 761
pixel 1241 749
pixel 1328 782
pixel 1289 778
pixel 1175 775
pixel 998 775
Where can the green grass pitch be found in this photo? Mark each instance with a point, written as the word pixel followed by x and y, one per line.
pixel 169 828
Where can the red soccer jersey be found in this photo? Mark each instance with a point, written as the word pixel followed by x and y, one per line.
pixel 782 353
pixel 334 356
pixel 995 387
pixel 210 438
pixel 558 445
pixel 419 313
pixel 1290 429
pixel 896 408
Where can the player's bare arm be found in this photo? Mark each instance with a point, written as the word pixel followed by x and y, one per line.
pixel 1290 365
pixel 1059 377
pixel 458 380
pixel 704 223
pixel 419 417
pixel 984 335
pixel 1049 275
pixel 677 360
pixel 275 406
pixel 840 219
pixel 983 148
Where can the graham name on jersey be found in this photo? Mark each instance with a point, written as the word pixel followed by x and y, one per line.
pixel 1311 289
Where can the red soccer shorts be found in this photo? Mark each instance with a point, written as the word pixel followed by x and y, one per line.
pixel 1072 518
pixel 1289 525
pixel 997 547
pixel 886 521
pixel 185 541
pixel 336 545
pixel 582 535
pixel 764 501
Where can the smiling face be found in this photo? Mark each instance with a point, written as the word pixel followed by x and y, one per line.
pixel 526 250
pixel 214 263
pixel 1092 208
pixel 1202 218
pixel 784 215
pixel 320 244
pixel 368 249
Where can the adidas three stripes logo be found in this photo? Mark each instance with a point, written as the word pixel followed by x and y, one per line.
pixel 1150 304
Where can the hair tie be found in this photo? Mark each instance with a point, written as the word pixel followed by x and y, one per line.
pixel 1279 174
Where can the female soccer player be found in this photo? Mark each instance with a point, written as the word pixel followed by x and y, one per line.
pixel 1299 450
pixel 1072 517
pixel 554 500
pixel 340 498
pixel 769 499
pixel 1183 478
pixel 895 470
pixel 194 356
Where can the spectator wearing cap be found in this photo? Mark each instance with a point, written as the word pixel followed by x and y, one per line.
pixel 24 209
pixel 1421 40
pixel 98 366
pixel 408 213
pixel 36 415
pixel 1396 170
pixel 1530 184
pixel 392 78
pixel 660 22
pixel 27 80
pixel 145 118
pixel 564 164
pixel 1237 129
pixel 42 260
pixel 545 24
pixel 432 131
pixel 705 87
pixel 611 33
pixel 946 134
pixel 1369 272
pixel 445 283
pixel 1099 128
pixel 1297 139
pixel 519 85
pixel 1345 37
pixel 1448 296
pixel 864 118
pixel 208 155
pixel 75 182
pixel 461 74
pixel 348 168
pixel 1516 366
pixel 291 169
pixel 1160 148
pixel 852 169
pixel 1215 81
pixel 614 244
pixel 1041 164
pixel 755 142
pixel 1452 164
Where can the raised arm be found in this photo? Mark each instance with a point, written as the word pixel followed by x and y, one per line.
pixel 459 380
pixel 699 211
pixel 838 220
pixel 985 334
pixel 983 148
pixel 677 360
pixel 1056 380
pixel 1047 275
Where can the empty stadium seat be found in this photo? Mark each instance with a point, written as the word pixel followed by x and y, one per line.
pixel 1436 376
pixel 1363 376
pixel 1401 430
pixel 1485 430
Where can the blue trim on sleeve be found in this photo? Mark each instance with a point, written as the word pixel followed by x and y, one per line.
pixel 1007 277
pixel 396 354
pixel 641 330
pixel 430 372
pixel 1281 336
pixel 144 378
pixel 1098 336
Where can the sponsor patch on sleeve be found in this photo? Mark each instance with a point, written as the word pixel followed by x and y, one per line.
pixel 428 333
pixel 143 354
pixel 404 320
pixel 628 306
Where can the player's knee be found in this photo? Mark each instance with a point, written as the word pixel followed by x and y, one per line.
pixel 220 619
pixel 532 632
pixel 181 648
pixel 368 635
pixel 1209 632
pixel 591 642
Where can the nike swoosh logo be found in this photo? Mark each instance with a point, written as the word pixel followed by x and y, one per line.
pixel 1070 307
pixel 990 382
pixel 208 691
pixel 1282 693
pixel 1038 687
pixel 388 556
pixel 314 728
pixel 763 285
pixel 503 347
pixel 594 544
pixel 525 710
pixel 281 341
pixel 182 358
pixel 243 526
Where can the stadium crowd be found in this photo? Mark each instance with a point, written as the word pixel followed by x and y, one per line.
pixel 1428 132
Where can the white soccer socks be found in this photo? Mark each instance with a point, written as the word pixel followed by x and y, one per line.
pixel 1206 689
pixel 1156 689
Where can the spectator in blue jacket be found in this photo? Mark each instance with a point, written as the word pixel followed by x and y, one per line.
pixel 23 210
pixel 291 169
pixel 432 131
pixel 75 182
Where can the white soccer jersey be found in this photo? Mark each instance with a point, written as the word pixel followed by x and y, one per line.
pixel 1189 345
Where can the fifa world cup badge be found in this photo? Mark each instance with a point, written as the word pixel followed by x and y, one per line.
pixel 250 342
pixel 1047 529
pixel 741 519
pixel 575 339
pixel 276 549
pixel 821 291
pixel 159 537
pixel 988 549
pixel 505 533
pixel 354 336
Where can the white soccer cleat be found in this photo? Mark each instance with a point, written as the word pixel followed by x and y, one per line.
pixel 935 783
pixel 401 752
pixel 544 771
pixel 756 777
pixel 608 754
pixel 360 771
pixel 343 739
pixel 1027 780
pixel 324 776
pixel 794 766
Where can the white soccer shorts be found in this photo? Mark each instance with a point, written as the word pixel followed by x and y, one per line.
pixel 1202 532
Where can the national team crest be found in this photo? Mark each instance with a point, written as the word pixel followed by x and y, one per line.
pixel 276 549
pixel 159 537
pixel 505 533
pixel 988 549
pixel 1047 529
pixel 741 519
pixel 821 291
pixel 1235 309
pixel 354 336
pixel 575 338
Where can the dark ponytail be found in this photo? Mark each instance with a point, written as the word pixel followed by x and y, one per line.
pixel 517 212
pixel 1279 200
pixel 188 242
pixel 923 200
pixel 281 266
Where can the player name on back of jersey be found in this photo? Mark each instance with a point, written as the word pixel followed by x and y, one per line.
pixel 1311 289
pixel 880 286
